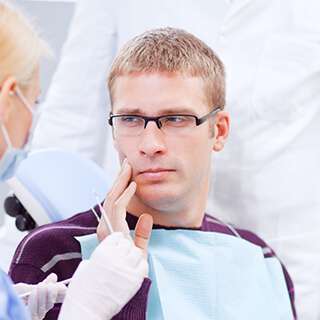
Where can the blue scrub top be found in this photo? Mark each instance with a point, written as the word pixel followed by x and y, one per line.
pixel 11 306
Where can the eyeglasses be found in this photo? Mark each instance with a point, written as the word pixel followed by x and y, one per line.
pixel 174 124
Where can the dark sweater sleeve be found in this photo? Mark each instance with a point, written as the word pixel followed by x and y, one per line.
pixel 136 308
pixel 26 273
pixel 47 249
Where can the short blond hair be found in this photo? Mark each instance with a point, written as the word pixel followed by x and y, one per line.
pixel 168 51
pixel 21 48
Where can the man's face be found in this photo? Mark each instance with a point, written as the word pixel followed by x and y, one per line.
pixel 170 171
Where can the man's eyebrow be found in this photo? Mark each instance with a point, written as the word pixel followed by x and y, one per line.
pixel 172 110
pixel 129 111
pixel 178 110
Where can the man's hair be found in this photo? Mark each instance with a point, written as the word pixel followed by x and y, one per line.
pixel 20 47
pixel 168 51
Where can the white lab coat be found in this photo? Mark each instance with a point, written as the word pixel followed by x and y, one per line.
pixel 267 178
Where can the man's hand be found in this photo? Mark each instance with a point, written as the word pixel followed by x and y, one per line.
pixel 115 204
pixel 116 201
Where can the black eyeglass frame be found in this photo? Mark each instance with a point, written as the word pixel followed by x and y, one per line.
pixel 199 121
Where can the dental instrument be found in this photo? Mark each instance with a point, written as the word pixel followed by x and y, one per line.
pixel 103 213
pixel 27 294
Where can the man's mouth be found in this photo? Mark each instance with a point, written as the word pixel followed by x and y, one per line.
pixel 155 174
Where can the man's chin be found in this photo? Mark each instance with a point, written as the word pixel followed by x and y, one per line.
pixel 155 197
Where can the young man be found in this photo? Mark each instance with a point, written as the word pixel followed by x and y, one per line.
pixel 167 91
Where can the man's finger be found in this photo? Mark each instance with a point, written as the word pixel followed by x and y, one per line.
pixel 119 185
pixel 142 233
pixel 118 221
pixel 118 216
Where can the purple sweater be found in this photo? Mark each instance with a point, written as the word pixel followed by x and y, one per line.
pixel 53 248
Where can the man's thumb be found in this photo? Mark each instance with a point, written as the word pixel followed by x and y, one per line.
pixel 142 233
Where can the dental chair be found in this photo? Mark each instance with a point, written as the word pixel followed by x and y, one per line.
pixel 52 185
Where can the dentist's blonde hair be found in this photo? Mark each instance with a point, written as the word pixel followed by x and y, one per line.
pixel 21 48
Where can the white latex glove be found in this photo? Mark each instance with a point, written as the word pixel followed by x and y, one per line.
pixel 102 285
pixel 43 296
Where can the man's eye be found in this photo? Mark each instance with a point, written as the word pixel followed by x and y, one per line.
pixel 173 119
pixel 131 121
pixel 176 120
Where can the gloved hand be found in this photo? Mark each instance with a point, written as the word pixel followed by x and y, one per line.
pixel 102 285
pixel 43 296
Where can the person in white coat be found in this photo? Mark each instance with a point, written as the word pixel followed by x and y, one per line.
pixel 98 290
pixel 267 178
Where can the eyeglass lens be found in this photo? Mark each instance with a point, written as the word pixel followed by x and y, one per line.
pixel 131 125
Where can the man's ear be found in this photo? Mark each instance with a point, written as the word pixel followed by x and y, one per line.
pixel 221 129
pixel 6 91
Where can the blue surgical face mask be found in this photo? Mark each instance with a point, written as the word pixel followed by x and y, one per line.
pixel 12 156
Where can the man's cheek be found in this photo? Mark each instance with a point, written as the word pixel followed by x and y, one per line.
pixel 115 144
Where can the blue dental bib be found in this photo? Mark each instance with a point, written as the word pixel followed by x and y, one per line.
pixel 208 275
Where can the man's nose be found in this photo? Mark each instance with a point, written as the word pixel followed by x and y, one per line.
pixel 152 140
